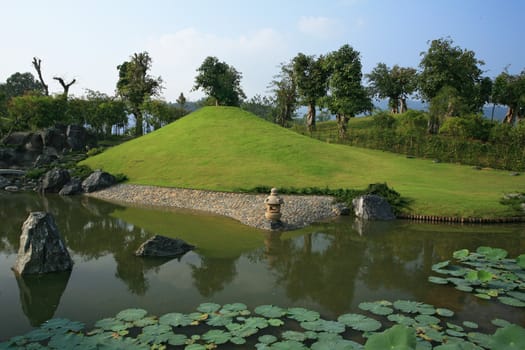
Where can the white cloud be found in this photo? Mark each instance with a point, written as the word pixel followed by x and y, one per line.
pixel 321 27
pixel 177 56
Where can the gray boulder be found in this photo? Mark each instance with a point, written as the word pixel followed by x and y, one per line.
pixel 340 209
pixel 373 207
pixel 54 180
pixel 44 159
pixel 54 138
pixel 161 246
pixel 71 188
pixel 42 250
pixel 4 182
pixel 17 139
pixel 97 180
pixel 35 143
pixel 76 137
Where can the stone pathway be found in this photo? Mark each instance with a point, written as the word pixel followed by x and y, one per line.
pixel 297 211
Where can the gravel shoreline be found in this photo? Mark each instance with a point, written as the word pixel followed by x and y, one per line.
pixel 297 211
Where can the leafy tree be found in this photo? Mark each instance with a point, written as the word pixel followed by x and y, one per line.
pixel 101 112
pixel 160 113
pixel 261 106
pixel 447 103
pixel 219 81
pixel 19 84
pixel 347 96
pixel 36 111
pixel 509 90
pixel 285 94
pixel 447 65
pixel 135 86
pixel 395 83
pixel 311 82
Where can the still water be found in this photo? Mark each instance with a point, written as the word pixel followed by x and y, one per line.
pixel 330 267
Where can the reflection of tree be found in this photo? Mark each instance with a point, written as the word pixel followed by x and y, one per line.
pixel 213 274
pixel 40 294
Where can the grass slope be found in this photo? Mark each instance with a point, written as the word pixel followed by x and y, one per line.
pixel 225 148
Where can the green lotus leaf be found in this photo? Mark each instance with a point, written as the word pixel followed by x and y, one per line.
pixel 409 306
pixel 437 280
pixel 471 325
pixel 39 334
pixel 457 346
pixel 444 312
pixel 242 331
pixel 430 334
pixel 218 320
pixel 511 301
pixel 485 276
pixel 359 322
pixel 108 323
pixel 216 336
pixel 270 311
pixel 267 339
pixel 146 321
pixel 288 345
pixel 257 322
pixel 492 253
pixel 63 324
pixel 238 340
pixel 454 327
pixel 508 337
pixel 261 346
pixel 235 307
pixel 301 314
pixel 520 260
pixel 208 308
pixel 65 341
pixel 275 322
pixel 455 333
pixel 377 308
pixel 195 347
pixel 155 334
pixel 401 319
pixel 483 296
pixel 440 265
pixel 423 345
pixel 398 337
pixel 294 335
pixel 464 288
pixel 461 254
pixel 427 320
pixel 498 322
pixel 323 326
pixel 175 319
pixel 481 339
pixel 177 339
pixel 130 315
pixel 340 344
pixel 517 295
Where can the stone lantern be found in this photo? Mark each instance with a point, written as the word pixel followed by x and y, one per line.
pixel 273 206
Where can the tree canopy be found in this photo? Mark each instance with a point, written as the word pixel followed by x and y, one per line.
pixel 135 86
pixel 220 81
pixel 509 90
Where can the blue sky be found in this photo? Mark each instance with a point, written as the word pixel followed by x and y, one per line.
pixel 86 40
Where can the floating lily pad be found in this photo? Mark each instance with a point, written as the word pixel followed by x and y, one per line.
pixel 216 336
pixel 359 322
pixel 177 339
pixel 156 334
pixel 208 307
pixel 146 321
pixel 301 314
pixel 511 301
pixel 471 325
pixel 109 324
pixel 238 340
pixel 517 295
pixel 288 345
pixel 402 319
pixel 427 320
pixel 270 311
pixel 440 265
pixel 130 315
pixel 339 344
pixel 323 326
pixel 492 253
pixel 398 337
pixel 377 308
pixel 275 322
pixel 175 319
pixel 294 335
pixel 437 280
pixel 235 307
pixel 461 254
pixel 217 320
pixel 498 322
pixel 509 337
pixel 267 339
pixel 520 260
pixel 444 312
pixel 195 347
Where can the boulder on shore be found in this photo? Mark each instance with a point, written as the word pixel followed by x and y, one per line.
pixel 97 180
pixel 54 180
pixel 71 188
pixel 161 246
pixel 373 207
pixel 42 250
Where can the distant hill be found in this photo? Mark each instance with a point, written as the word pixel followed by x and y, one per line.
pixel 226 148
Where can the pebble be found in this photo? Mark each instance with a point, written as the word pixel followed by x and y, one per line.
pixel 297 211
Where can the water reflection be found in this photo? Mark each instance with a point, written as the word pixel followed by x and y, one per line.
pixel 40 295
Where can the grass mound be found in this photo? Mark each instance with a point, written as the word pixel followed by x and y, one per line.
pixel 226 148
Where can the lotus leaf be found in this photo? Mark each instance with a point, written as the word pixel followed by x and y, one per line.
pixel 498 322
pixel 156 334
pixel 241 331
pixel 458 346
pixel 235 307
pixel 195 347
pixel 175 319
pixel 511 301
pixel 454 327
pixel 323 326
pixel 461 254
pixel 492 253
pixel 177 339
pixel 517 295
pixel 131 315
pixel 440 265
pixel 430 334
pixel 216 336
pixel 377 308
pixel 427 320
pixel 288 345
pixel 294 335
pixel 444 312
pixel 508 337
pixel 275 322
pixel 238 340
pixel 146 321
pixel 464 288
pixel 401 319
pixel 270 311
pixel 423 345
pixel 208 307
pixel 482 296
pixel 257 322
pixel 267 339
pixel 218 320
pixel 409 306
pixel 520 260
pixel 471 325
pixel 359 322
pixel 437 280
pixel 398 337
pixel 479 338
pixel 300 314
pixel 108 324
pixel 65 341
pixel 341 344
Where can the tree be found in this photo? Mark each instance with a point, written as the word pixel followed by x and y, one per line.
pixel 135 85
pixel 160 113
pixel 311 82
pixel 37 63
pixel 509 90
pixel 219 81
pixel 347 96
pixel 65 85
pixel 261 106
pixel 19 84
pixel 447 65
pixel 37 111
pixel 395 83
pixel 285 94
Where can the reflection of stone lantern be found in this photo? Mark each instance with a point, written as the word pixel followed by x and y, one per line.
pixel 273 206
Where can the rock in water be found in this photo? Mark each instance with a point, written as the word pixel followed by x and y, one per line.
pixel 163 247
pixel 54 180
pixel 373 207
pixel 42 250
pixel 97 180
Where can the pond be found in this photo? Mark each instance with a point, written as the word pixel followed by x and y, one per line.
pixel 329 267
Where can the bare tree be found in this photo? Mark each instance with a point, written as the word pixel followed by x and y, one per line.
pixel 64 85
pixel 37 63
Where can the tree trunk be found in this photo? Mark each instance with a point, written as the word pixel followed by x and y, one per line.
pixel 394 105
pixel 510 117
pixel 37 63
pixel 64 85
pixel 310 117
pixel 139 119
pixel 404 106
pixel 342 123
pixel 433 125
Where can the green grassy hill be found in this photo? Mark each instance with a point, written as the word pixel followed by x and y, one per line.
pixel 226 148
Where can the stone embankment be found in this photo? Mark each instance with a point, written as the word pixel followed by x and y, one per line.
pixel 297 211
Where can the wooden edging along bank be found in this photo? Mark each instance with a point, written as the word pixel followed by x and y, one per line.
pixel 461 220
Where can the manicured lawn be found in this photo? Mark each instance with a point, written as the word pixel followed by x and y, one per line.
pixel 226 149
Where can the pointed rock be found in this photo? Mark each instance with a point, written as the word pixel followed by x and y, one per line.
pixel 163 247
